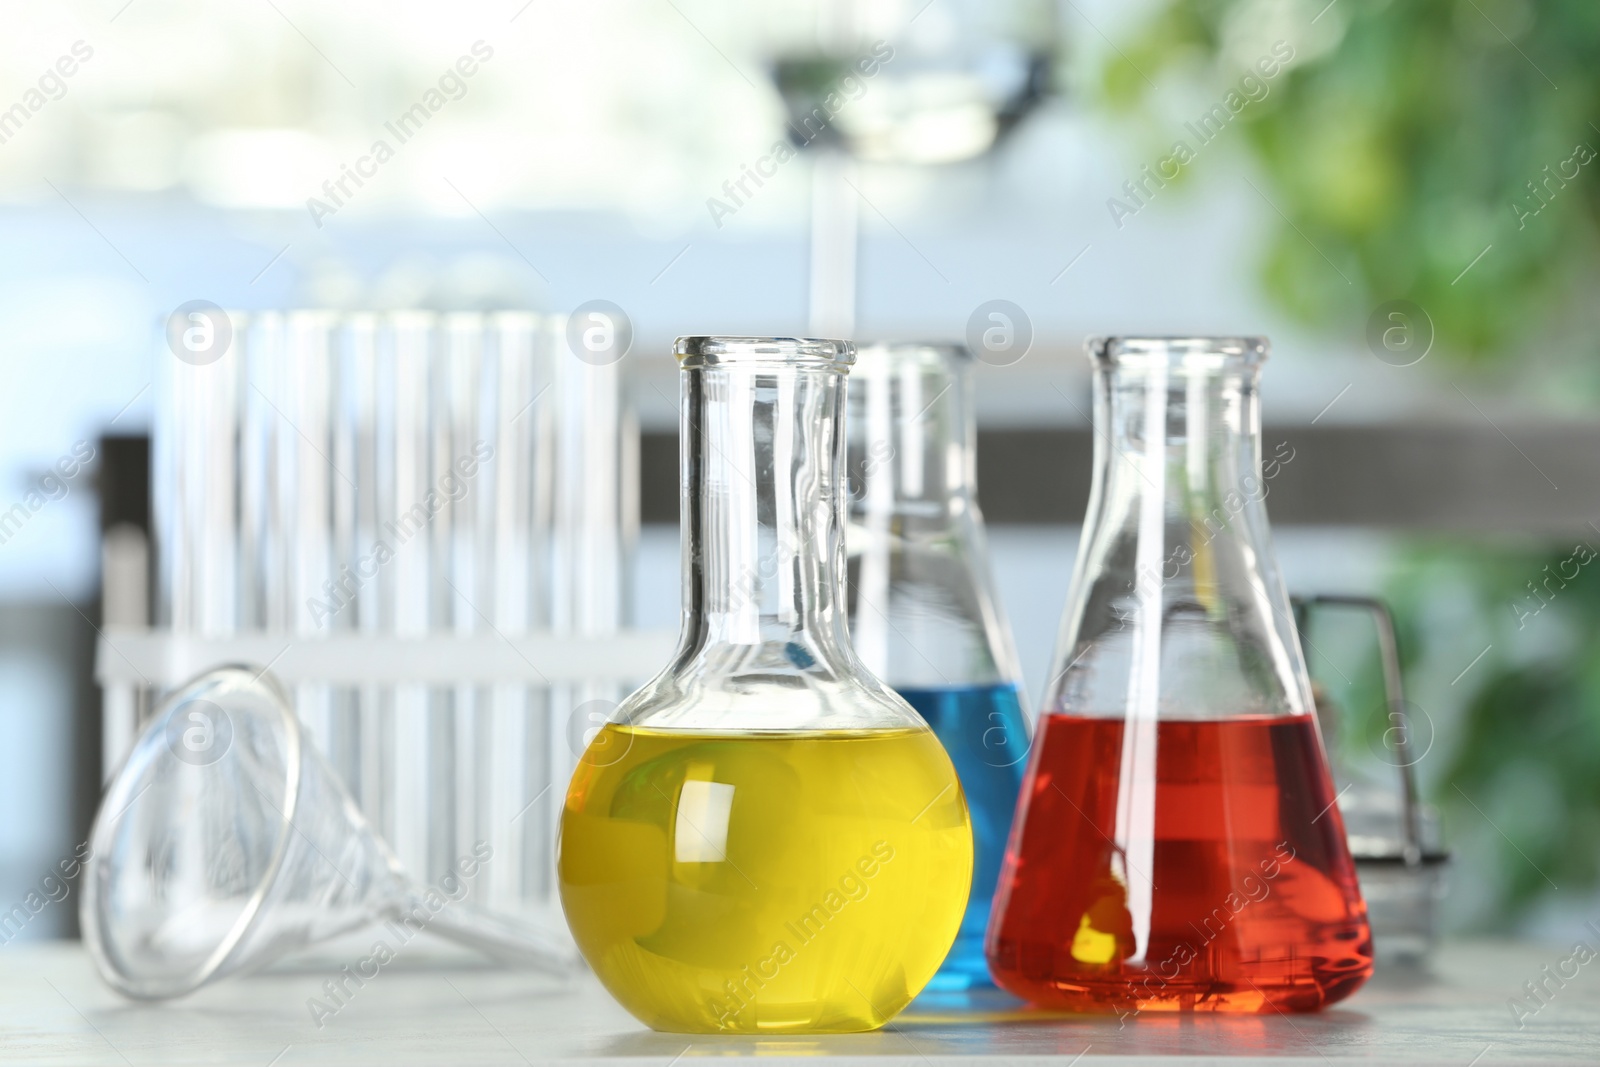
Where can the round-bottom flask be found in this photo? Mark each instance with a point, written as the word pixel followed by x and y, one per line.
pixel 923 614
pixel 1178 845
pixel 765 839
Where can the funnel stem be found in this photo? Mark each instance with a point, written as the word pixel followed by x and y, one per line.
pixel 511 943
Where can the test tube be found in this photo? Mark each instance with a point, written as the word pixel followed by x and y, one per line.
pixel 463 581
pixel 358 418
pixel 196 487
pixel 404 442
pixel 305 451
pixel 513 381
pixel 260 340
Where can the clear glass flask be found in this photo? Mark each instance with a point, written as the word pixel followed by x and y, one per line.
pixel 765 838
pixel 1177 846
pixel 923 615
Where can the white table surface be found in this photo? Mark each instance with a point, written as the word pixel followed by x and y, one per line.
pixel 54 1010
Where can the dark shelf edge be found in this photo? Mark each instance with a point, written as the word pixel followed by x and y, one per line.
pixel 1447 478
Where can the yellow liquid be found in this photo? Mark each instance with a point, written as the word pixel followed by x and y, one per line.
pixel 764 883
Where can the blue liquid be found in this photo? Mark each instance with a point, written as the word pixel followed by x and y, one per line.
pixel 983 729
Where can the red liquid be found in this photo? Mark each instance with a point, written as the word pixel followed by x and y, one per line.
pixel 1247 885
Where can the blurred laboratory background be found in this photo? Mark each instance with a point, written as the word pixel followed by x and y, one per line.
pixel 1401 195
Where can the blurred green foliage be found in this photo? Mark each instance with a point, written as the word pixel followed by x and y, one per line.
pixel 1411 136
pixel 1407 148
pixel 1525 752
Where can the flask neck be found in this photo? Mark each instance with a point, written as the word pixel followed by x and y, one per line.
pixel 913 433
pixel 922 606
pixel 1190 434
pixel 762 447
pixel 1177 607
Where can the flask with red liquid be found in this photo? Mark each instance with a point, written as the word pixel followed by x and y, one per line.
pixel 1177 844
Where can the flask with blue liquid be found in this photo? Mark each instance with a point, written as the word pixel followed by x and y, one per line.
pixel 923 614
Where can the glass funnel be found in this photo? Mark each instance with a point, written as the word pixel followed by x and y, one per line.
pixel 1177 845
pixel 765 838
pixel 923 615
pixel 227 840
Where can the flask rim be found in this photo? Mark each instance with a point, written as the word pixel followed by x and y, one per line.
pixel 717 351
pixel 1177 350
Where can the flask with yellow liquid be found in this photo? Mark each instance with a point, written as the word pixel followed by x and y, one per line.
pixel 765 839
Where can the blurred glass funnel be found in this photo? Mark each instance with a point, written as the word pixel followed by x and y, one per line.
pixel 227 841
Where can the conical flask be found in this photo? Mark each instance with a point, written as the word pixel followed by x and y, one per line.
pixel 765 839
pixel 1177 845
pixel 923 614
pixel 226 841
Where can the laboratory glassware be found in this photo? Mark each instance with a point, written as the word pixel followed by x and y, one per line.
pixel 409 474
pixel 764 838
pixel 227 840
pixel 1177 845
pixel 923 614
pixel 1395 837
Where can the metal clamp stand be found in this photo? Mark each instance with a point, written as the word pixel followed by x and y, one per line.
pixel 1401 883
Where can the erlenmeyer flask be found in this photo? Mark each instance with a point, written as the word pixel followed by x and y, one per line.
pixel 765 838
pixel 226 840
pixel 1177 845
pixel 923 616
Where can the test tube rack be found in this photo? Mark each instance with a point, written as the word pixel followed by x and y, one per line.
pixel 420 523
